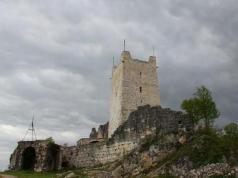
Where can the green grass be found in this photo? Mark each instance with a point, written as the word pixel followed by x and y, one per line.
pixel 31 174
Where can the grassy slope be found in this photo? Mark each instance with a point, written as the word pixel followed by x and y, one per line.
pixel 31 174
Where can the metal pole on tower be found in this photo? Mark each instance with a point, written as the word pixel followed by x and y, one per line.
pixel 113 62
pixel 124 45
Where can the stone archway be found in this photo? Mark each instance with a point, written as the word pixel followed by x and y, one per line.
pixel 28 158
pixel 52 156
pixel 40 155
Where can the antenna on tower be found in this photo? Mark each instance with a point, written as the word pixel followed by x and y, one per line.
pixel 113 62
pixel 124 45
pixel 31 129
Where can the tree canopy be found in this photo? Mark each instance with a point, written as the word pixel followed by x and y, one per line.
pixel 201 107
pixel 231 130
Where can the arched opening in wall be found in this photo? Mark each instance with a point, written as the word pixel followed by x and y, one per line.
pixel 28 158
pixel 65 163
pixel 140 89
pixel 52 157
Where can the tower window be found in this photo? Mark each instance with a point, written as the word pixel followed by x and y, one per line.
pixel 140 73
pixel 140 89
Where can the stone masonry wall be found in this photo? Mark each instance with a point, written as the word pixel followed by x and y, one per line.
pixel 145 121
pixel 102 132
pixel 96 153
pixel 45 159
pixel 134 83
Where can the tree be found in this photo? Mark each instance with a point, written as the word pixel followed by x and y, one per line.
pixel 50 140
pixel 231 130
pixel 201 107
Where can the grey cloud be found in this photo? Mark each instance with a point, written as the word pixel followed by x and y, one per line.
pixel 56 59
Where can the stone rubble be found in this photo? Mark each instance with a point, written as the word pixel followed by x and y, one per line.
pixel 68 174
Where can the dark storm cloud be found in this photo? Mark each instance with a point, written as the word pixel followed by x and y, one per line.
pixel 56 59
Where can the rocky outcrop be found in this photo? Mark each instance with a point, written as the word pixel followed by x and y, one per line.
pixel 152 162
pixel 145 122
pixel 218 169
pixel 68 174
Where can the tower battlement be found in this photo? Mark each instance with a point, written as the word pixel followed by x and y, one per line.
pixel 134 83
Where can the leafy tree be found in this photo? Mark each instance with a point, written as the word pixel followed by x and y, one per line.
pixel 190 106
pixel 201 107
pixel 231 130
pixel 50 140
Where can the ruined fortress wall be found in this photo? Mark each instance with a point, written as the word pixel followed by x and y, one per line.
pixel 96 153
pixel 144 122
pixel 44 158
pixel 134 83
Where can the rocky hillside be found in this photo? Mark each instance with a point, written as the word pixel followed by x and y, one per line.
pixel 206 153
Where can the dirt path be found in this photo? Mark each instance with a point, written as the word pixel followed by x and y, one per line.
pixel 6 176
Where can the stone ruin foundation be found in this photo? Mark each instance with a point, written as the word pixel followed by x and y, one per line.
pixel 146 121
pixel 39 155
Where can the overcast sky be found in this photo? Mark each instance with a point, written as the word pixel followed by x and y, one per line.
pixel 56 59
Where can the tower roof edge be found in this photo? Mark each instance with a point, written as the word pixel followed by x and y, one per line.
pixel 125 55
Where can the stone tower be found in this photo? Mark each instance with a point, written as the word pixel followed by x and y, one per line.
pixel 134 83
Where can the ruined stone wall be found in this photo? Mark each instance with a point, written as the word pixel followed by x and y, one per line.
pixel 96 153
pixel 134 83
pixel 144 122
pixel 47 155
pixel 101 133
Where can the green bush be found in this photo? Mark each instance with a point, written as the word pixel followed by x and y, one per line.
pixel 209 146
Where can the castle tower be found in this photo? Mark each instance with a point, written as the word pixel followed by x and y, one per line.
pixel 134 83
